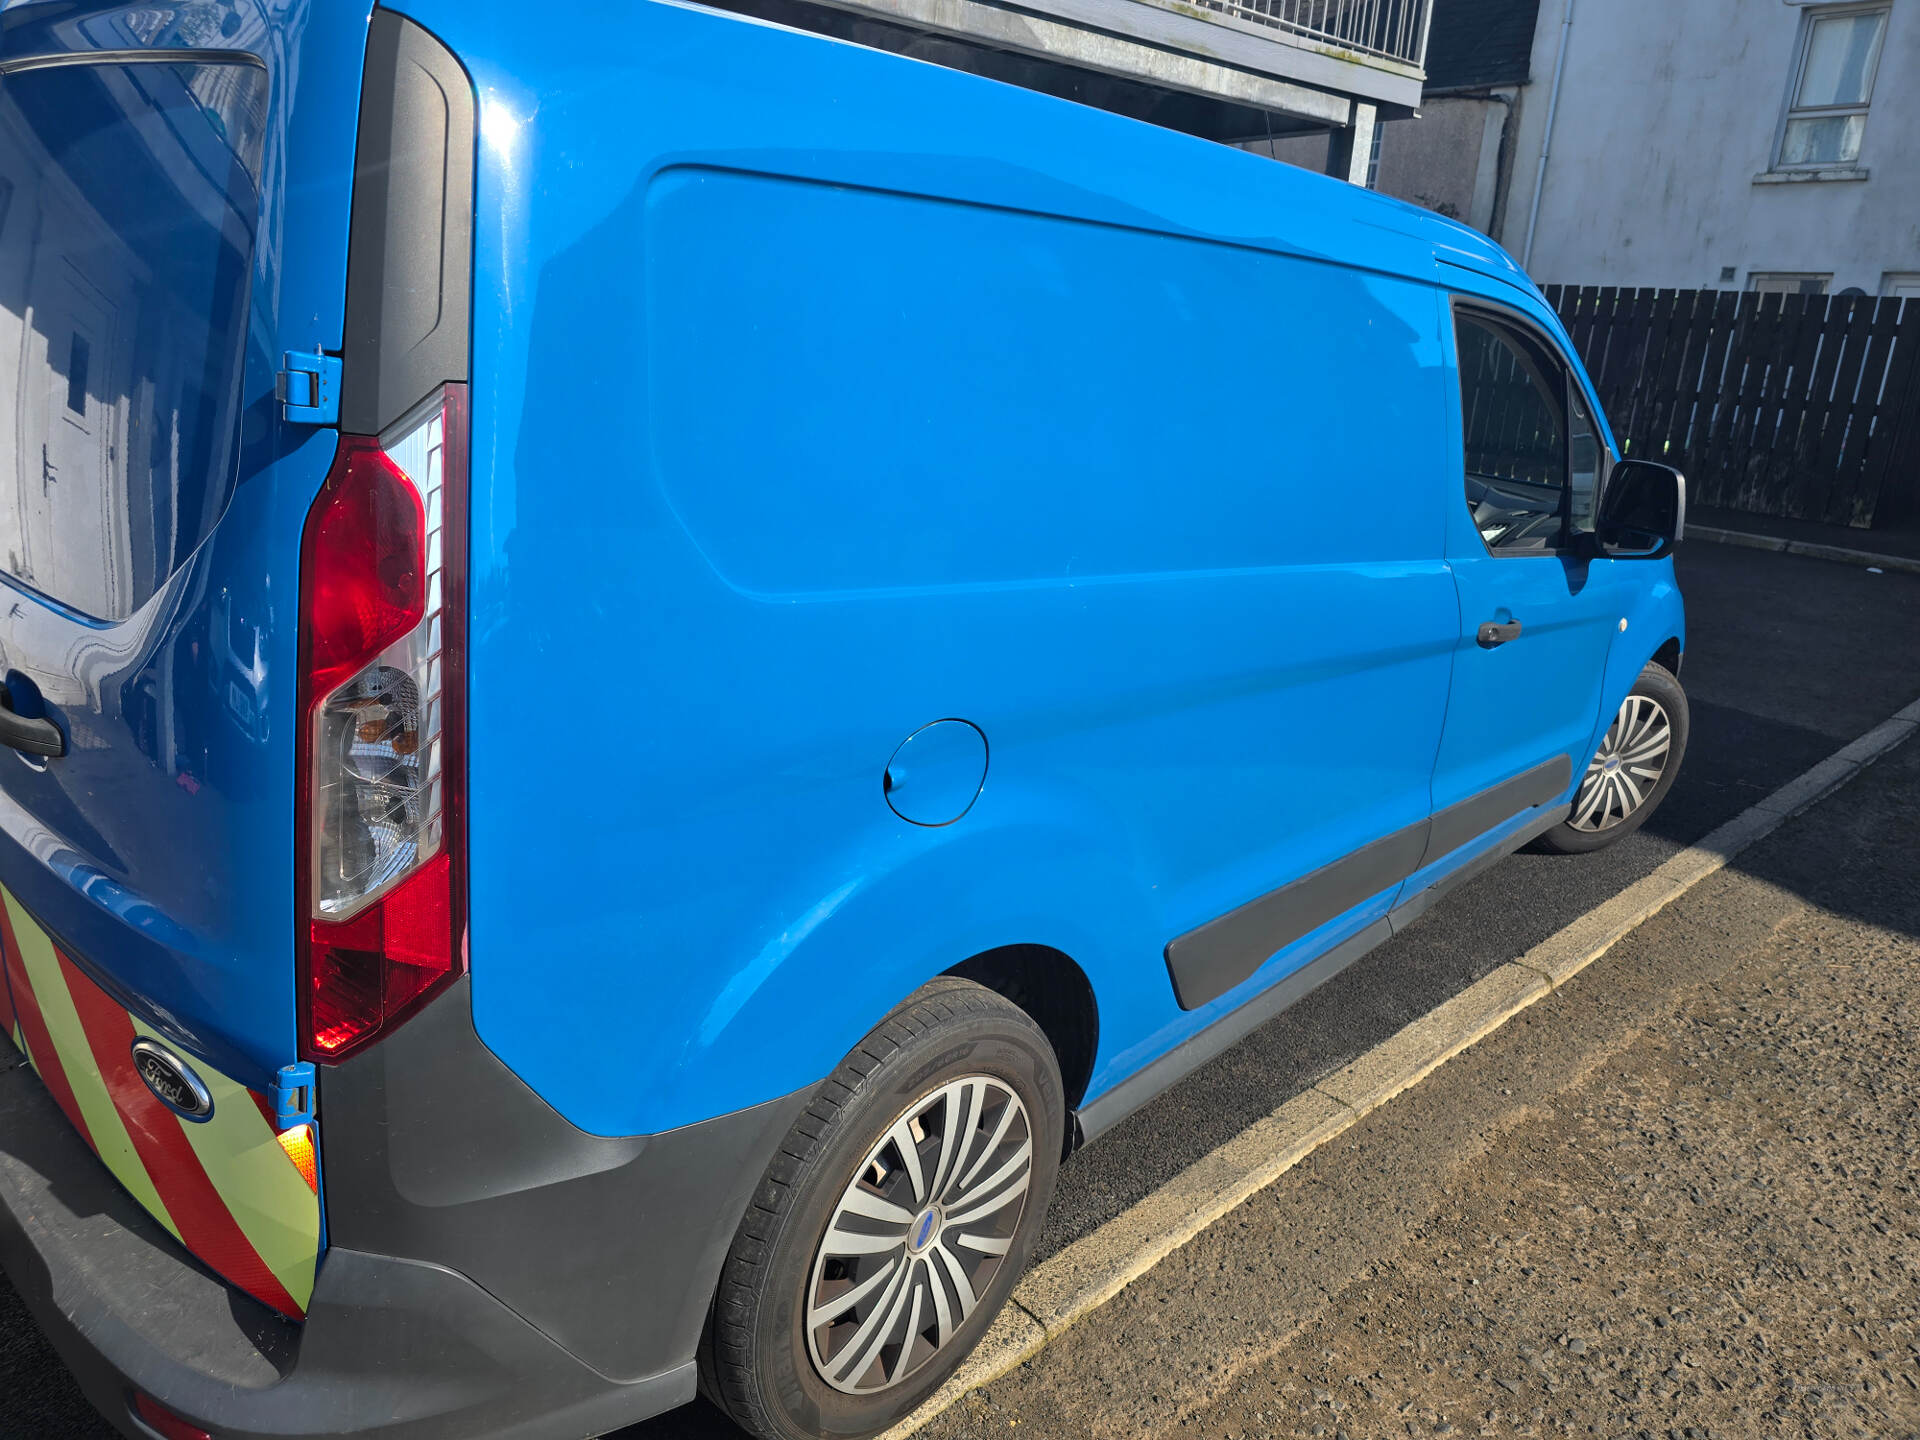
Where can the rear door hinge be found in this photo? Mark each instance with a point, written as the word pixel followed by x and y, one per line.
pixel 292 1096
pixel 308 387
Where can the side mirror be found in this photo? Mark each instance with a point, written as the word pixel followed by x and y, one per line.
pixel 1643 513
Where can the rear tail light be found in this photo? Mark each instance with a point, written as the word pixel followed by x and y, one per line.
pixel 382 712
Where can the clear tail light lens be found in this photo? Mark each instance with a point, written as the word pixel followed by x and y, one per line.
pixel 381 594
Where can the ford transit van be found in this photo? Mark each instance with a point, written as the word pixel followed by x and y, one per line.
pixel 651 661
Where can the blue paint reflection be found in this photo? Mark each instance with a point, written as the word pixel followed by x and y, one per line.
pixel 128 200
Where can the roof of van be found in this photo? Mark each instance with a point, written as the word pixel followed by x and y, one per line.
pixel 1324 203
pixel 1321 204
pixel 1453 242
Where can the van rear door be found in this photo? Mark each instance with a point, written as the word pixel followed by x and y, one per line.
pixel 171 222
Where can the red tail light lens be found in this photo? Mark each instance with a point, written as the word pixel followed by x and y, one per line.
pixel 382 709
pixel 162 1421
pixel 367 534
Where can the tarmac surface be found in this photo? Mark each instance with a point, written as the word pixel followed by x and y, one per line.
pixel 1788 659
pixel 1677 1198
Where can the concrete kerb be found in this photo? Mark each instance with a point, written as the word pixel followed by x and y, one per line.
pixel 1811 549
pixel 1090 1272
pixel 1405 1059
pixel 1070 1285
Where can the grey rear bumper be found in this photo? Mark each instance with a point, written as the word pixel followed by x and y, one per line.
pixel 579 1247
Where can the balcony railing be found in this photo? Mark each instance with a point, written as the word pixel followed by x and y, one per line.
pixel 1387 29
pixel 1270 66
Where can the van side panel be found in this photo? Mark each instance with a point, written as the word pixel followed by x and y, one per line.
pixel 826 395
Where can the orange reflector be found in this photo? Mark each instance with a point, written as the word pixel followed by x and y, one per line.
pixel 298 1143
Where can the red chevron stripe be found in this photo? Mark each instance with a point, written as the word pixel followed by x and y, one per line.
pixel 6 1006
pixel 265 1107
pixel 46 1059
pixel 206 1225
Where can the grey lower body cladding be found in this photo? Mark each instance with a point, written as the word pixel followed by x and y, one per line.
pixel 555 1285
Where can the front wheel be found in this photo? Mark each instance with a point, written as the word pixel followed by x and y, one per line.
pixel 1632 770
pixel 893 1222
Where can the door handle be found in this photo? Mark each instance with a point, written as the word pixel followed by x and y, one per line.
pixel 1495 633
pixel 34 737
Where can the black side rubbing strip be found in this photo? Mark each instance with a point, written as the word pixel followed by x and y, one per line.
pixel 1207 962
pixel 1472 817
pixel 410 245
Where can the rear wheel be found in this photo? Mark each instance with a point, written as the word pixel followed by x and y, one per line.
pixel 893 1222
pixel 1632 770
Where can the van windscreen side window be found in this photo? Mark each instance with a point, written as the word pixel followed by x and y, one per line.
pixel 1513 424
pixel 1584 450
pixel 128 202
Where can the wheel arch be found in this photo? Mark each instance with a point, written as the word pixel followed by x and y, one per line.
pixel 1052 988
pixel 1655 609
pixel 1042 914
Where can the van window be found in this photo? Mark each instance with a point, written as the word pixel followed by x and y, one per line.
pixel 127 213
pixel 1584 453
pixel 1511 409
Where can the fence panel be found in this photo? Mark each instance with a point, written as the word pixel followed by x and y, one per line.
pixel 1679 343
pixel 1797 438
pixel 1802 407
pixel 1890 489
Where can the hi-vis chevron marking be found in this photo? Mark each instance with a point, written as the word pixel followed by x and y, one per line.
pixel 225 1187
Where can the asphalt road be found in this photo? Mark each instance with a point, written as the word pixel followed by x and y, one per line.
pixel 1788 659
pixel 1679 1197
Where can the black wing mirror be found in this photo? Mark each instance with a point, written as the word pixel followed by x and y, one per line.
pixel 1643 513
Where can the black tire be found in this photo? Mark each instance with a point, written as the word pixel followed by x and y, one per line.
pixel 757 1361
pixel 1658 685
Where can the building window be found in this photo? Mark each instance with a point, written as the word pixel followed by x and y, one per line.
pixel 1905 284
pixel 1373 156
pixel 1783 282
pixel 1832 87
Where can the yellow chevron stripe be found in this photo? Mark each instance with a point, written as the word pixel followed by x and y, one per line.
pixel 258 1183
pixel 110 1138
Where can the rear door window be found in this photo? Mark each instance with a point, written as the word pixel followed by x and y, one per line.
pixel 128 204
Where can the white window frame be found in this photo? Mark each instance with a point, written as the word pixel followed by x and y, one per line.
pixel 1776 282
pixel 1810 16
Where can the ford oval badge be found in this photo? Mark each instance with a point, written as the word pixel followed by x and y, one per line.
pixel 172 1080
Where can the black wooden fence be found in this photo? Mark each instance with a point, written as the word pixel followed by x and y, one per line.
pixel 1805 406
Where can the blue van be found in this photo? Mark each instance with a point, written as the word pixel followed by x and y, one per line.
pixel 650 662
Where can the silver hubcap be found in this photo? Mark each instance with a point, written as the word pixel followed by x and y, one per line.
pixel 1621 776
pixel 919 1234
